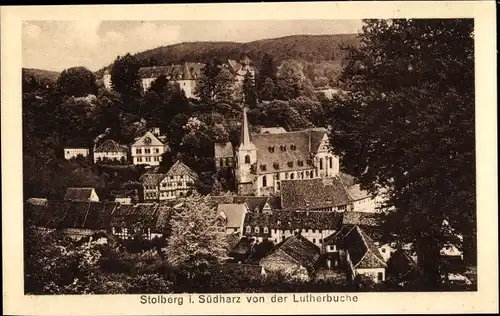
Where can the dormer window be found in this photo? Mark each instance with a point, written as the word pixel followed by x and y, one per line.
pixel 293 147
pixel 249 229
pixel 266 230
pixel 147 140
pixel 300 163
pixel 256 230
pixel 263 167
pixel 283 147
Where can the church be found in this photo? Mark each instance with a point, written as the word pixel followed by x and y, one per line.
pixel 263 160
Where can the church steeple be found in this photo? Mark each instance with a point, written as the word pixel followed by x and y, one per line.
pixel 186 74
pixel 245 140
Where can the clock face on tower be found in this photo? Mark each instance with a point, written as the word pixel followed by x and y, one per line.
pixel 147 140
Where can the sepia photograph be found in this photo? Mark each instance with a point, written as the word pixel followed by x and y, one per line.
pixel 323 158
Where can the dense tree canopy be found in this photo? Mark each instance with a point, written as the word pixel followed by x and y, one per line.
pixel 125 75
pixel 406 123
pixel 77 82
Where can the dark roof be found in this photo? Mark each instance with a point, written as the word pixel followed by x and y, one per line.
pixel 255 203
pixel 223 150
pixel 180 168
pixel 313 193
pixel 99 215
pixel 274 202
pixel 75 215
pixel 362 251
pixel 111 146
pixel 400 265
pixel 338 235
pixel 152 179
pixel 291 220
pixel 301 250
pixel 186 71
pixel 243 246
pixel 78 194
pixel 362 219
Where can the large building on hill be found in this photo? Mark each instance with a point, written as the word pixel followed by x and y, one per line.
pixel 264 160
pixel 186 74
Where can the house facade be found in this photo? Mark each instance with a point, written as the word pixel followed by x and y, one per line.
pixel 149 148
pixel 70 153
pixel 110 150
pixel 264 160
pixel 224 155
pixel 177 182
pixel 233 216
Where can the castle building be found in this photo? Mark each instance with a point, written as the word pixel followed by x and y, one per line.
pixel 263 160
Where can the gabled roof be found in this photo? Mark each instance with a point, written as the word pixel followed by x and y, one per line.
pixel 362 219
pixel 255 203
pixel 111 146
pixel 78 194
pixel 235 214
pixel 401 264
pixel 362 251
pixel 300 250
pixel 153 140
pixel 356 194
pixel 223 150
pixel 180 168
pixel 313 193
pixel 243 246
pixel 152 179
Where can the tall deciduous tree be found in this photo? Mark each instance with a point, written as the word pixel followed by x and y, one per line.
pixel 77 82
pixel 267 68
pixel 198 237
pixel 125 75
pixel 406 123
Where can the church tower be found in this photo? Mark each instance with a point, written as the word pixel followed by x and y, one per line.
pixel 246 159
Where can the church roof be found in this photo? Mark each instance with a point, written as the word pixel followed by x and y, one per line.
pixel 313 193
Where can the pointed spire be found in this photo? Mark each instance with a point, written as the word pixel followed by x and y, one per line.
pixel 245 130
pixel 186 74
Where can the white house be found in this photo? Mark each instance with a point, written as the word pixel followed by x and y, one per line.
pixel 149 148
pixel 70 153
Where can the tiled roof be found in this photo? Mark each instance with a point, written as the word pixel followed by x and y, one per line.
pixel 338 235
pixel 243 246
pixel 301 250
pixel 232 240
pixel 78 194
pixel 76 215
pixel 111 146
pixel 355 192
pixel 362 219
pixel 235 214
pixel 255 203
pixel 152 179
pixel 274 202
pixel 362 251
pixel 278 160
pixel 223 150
pixel 185 71
pixel 291 220
pixel 180 168
pixel 401 264
pixel 99 215
pixel 313 193
pixel 142 214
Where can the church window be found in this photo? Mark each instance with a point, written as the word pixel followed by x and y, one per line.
pixel 266 230
pixel 247 159
pixel 256 230
pixel 293 147
pixel 330 162
pixel 264 181
pixel 271 149
pixel 321 163
pixel 286 175
pixel 292 176
pixel 249 229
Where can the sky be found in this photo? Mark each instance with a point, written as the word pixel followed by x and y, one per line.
pixel 58 45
